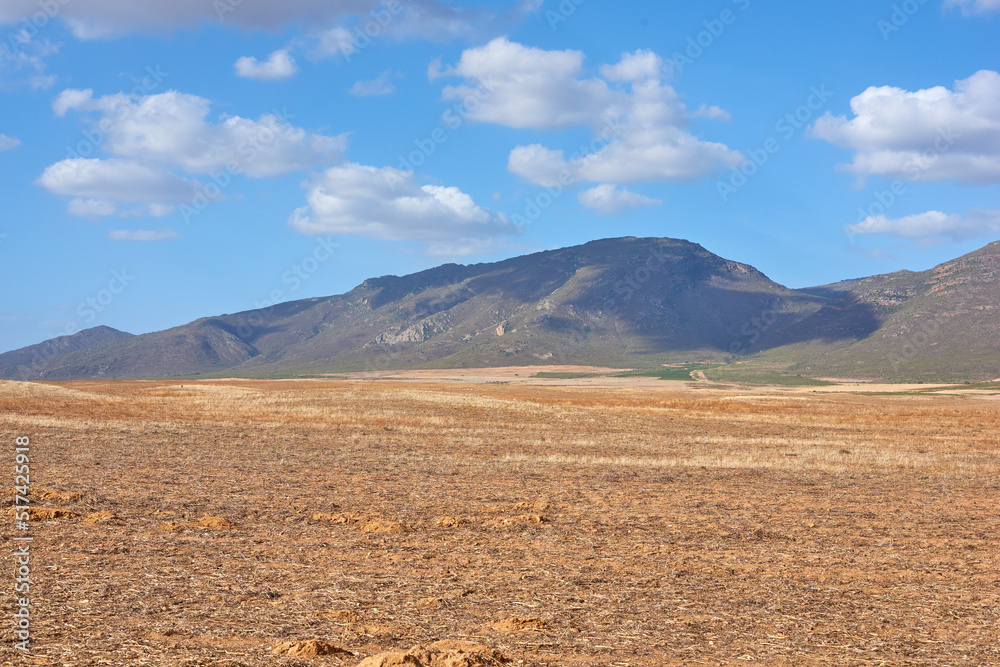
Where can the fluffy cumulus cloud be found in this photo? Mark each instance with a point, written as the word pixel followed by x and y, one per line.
pixel 386 203
pixel 608 199
pixel 933 224
pixel 279 65
pixel 174 129
pixel 969 7
pixel 97 184
pixel 934 134
pixel 639 125
pixel 125 180
pixel 152 138
pixel 638 66
pixel 8 143
pixel 72 98
pixel 529 87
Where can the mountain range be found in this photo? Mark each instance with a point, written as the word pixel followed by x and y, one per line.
pixel 626 302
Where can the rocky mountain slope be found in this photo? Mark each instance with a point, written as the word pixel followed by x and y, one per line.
pixel 636 302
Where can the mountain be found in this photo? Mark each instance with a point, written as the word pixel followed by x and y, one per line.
pixel 615 301
pixel 630 302
pixel 28 362
pixel 943 323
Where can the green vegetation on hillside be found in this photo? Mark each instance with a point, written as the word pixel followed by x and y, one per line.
pixel 681 372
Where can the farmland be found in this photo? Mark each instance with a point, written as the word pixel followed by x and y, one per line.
pixel 643 523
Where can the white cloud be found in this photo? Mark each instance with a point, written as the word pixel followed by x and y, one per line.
pixel 22 60
pixel 636 66
pixel 279 65
pixel 933 134
pixel 380 85
pixel 386 203
pixel 608 199
pixel 528 87
pixel 72 98
pixel 142 234
pixel 630 155
pixel 970 7
pixel 115 180
pixel 541 165
pixel 337 41
pixel 7 143
pixel 973 223
pixel 714 112
pixel 173 129
pixel 152 138
pixel 639 127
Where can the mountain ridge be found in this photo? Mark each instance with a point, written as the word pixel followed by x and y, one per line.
pixel 633 302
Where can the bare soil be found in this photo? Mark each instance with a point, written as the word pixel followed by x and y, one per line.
pixel 250 523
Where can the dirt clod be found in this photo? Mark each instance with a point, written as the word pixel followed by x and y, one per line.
pixel 101 518
pixel 384 526
pixel 310 648
pixel 445 653
pixel 217 522
pixel 45 513
pixel 450 522
pixel 53 495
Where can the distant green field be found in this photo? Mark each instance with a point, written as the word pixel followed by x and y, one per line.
pixel 682 372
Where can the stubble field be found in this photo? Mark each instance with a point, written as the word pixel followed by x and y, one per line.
pixel 251 523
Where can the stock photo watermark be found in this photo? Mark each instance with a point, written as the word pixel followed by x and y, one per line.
pixel 562 13
pixel 90 307
pixel 702 41
pixel 581 157
pixel 787 127
pixel 294 277
pixel 32 25
pixel 452 119
pixel 22 543
pixel 87 310
pixel 94 137
pixel 900 16
pixel 249 149
pixel 914 344
pixel 751 330
pixel 626 289
pixel 883 200
pixel 621 293
pixel 363 35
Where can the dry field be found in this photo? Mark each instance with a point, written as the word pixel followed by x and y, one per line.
pixel 251 523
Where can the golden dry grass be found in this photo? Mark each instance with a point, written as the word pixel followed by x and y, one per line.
pixel 216 522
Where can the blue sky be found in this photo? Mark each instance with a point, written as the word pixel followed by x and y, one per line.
pixel 161 162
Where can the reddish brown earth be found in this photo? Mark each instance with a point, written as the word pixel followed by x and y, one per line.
pixel 251 523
